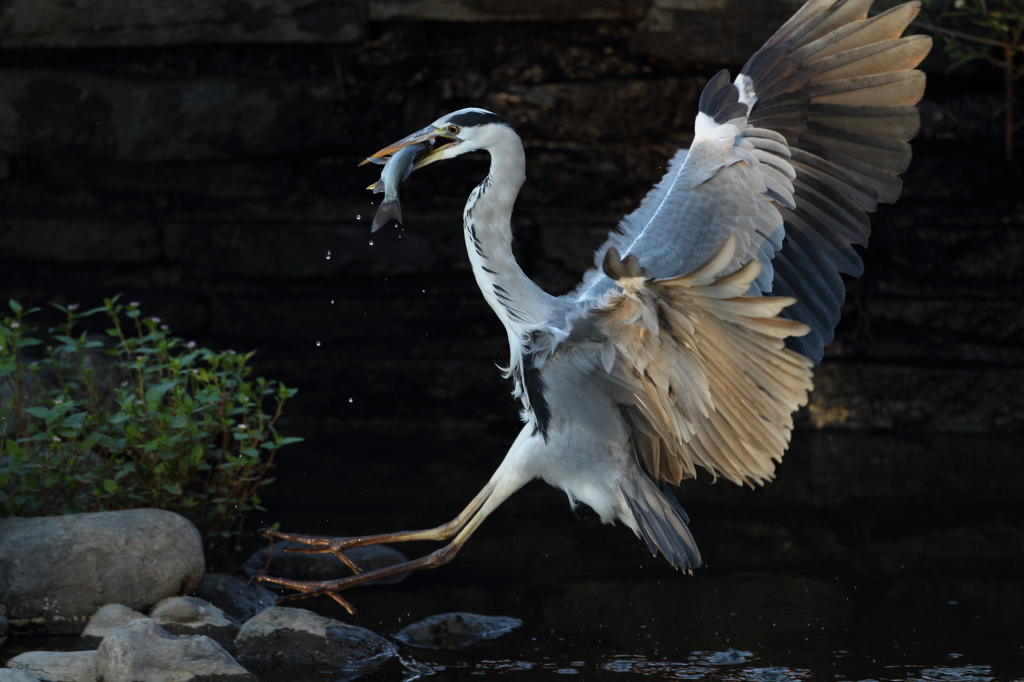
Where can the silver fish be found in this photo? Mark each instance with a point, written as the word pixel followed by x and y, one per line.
pixel 397 169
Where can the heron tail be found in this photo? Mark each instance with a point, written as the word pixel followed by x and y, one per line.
pixel 388 211
pixel 661 522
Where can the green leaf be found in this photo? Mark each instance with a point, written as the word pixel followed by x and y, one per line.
pixel 13 449
pixel 289 441
pixel 173 488
pixel 110 486
pixel 75 420
pixel 157 392
pixel 41 412
pixel 15 306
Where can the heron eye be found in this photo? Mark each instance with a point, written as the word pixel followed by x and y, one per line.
pixel 454 130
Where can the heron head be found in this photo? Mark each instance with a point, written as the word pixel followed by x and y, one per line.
pixel 462 131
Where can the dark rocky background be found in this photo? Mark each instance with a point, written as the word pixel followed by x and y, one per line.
pixel 201 157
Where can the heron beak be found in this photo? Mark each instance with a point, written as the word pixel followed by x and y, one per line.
pixel 429 134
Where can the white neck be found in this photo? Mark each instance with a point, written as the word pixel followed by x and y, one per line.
pixel 487 220
pixel 520 304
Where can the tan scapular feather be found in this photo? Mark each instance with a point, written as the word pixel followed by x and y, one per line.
pixel 713 385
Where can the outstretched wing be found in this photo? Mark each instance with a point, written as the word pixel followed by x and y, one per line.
pixel 790 160
pixel 701 369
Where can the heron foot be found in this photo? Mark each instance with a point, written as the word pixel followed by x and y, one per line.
pixel 331 588
pixel 319 545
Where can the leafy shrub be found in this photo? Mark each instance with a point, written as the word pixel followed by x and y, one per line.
pixel 151 422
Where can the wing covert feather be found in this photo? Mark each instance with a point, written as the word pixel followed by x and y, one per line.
pixel 709 383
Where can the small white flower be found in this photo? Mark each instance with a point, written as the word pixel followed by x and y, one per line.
pixel 134 304
pixel 242 426
pixel 191 344
pixel 56 439
pixel 73 306
pixel 154 319
pixel 124 383
pixel 959 4
pixel 59 401
pixel 164 327
pixel 15 325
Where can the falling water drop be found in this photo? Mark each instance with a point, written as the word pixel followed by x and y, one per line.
pixel 328 254
pixel 350 399
pixel 318 344
pixel 359 217
pixel 332 301
pixel 371 242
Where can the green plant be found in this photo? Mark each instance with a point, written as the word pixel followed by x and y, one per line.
pixel 152 421
pixel 989 30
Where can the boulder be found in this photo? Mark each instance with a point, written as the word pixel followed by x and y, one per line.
pixel 142 650
pixel 235 597
pixel 105 621
pixel 123 23
pixel 15 675
pixel 455 630
pixel 57 666
pixel 58 570
pixel 303 641
pixel 192 616
pixel 275 561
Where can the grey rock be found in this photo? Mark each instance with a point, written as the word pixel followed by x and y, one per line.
pixel 3 624
pixel 79 114
pixel 278 250
pixel 192 616
pixel 452 631
pixel 14 675
pixel 302 640
pixel 59 570
pixel 78 241
pixel 718 31
pixel 481 10
pixel 106 620
pixel 951 400
pixel 322 566
pixel 122 23
pixel 234 596
pixel 57 666
pixel 142 651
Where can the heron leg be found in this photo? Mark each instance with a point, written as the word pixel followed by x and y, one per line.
pixel 511 475
pixel 337 546
pixel 461 527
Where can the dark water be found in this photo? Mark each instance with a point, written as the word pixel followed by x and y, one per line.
pixel 595 604
pixel 915 588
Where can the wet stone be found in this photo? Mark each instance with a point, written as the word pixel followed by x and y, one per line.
pixel 57 666
pixel 284 564
pixel 299 640
pixel 142 650
pixel 455 630
pixel 192 616
pixel 106 620
pixel 60 569
pixel 235 597
pixel 15 675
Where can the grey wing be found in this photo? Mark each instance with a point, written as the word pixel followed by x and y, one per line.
pixel 822 116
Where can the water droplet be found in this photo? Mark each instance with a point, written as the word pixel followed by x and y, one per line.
pixel 318 344
pixel 328 254
pixel 371 242
pixel 350 399
pixel 332 301
pixel 359 217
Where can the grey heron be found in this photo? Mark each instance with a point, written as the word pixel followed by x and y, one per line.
pixel 691 342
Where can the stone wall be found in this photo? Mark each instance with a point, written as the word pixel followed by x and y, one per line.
pixel 201 157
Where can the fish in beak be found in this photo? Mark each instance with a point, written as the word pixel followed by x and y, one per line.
pixel 429 135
